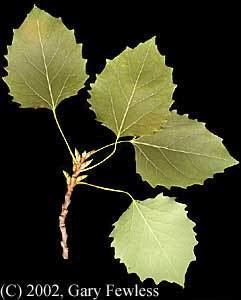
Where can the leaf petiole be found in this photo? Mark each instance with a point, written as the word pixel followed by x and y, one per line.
pixel 109 145
pixel 110 155
pixel 62 134
pixel 107 189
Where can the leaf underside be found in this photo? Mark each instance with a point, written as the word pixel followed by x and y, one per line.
pixel 44 62
pixel 154 238
pixel 134 92
pixel 183 153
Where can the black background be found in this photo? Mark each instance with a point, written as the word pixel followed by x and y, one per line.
pixel 197 46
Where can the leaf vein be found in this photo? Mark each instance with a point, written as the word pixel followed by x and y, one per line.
pixel 32 89
pixel 113 110
pixel 179 151
pixel 134 90
pixel 139 118
pixel 55 53
pixel 158 242
pixel 173 166
pixel 151 162
pixel 61 68
pixel 32 64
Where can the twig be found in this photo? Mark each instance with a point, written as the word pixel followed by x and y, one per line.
pixel 79 165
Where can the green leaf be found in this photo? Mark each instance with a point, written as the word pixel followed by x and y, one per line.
pixel 44 62
pixel 154 238
pixel 183 153
pixel 134 92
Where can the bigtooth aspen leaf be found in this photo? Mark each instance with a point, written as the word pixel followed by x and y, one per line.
pixel 134 92
pixel 155 239
pixel 182 153
pixel 45 65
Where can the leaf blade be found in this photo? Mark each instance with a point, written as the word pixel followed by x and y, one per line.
pixel 154 238
pixel 44 62
pixel 133 91
pixel 183 153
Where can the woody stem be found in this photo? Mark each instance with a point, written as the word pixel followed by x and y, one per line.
pixel 64 212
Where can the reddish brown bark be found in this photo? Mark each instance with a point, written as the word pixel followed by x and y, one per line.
pixel 78 166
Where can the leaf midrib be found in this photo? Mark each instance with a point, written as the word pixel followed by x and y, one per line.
pixel 45 66
pixel 155 238
pixel 133 93
pixel 179 151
